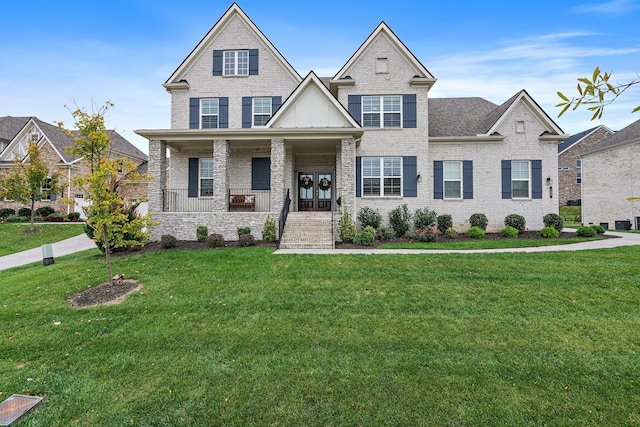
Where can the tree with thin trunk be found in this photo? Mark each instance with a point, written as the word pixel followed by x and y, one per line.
pixel 29 181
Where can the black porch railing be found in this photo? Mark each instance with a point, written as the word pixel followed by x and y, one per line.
pixel 184 200
pixel 283 216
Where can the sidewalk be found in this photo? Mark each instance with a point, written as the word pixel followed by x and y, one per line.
pixel 63 247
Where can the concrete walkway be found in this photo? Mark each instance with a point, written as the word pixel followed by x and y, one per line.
pixel 63 247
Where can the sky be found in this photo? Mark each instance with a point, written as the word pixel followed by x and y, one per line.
pixel 58 55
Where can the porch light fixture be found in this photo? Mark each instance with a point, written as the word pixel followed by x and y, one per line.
pixel 549 181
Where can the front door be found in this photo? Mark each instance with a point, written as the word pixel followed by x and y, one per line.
pixel 314 191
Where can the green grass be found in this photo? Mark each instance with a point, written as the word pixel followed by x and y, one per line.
pixel 13 237
pixel 245 337
pixel 485 244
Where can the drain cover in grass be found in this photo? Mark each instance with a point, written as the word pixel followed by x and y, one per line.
pixel 16 406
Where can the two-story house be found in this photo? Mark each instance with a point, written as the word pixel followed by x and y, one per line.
pixel 248 134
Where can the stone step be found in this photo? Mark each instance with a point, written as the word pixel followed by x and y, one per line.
pixel 308 230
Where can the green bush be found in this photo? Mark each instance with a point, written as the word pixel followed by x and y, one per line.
pixel 215 240
pixel 370 229
pixel 269 231
pixel 451 233
pixel 73 216
pixel 553 220
pixel 516 221
pixel 44 211
pixel 364 239
pixel 17 218
pixel 202 232
pixel 549 232
pixel 479 220
pixel 400 220
pixel 585 231
pixel 24 212
pixel 424 235
pixel 509 232
pixel 599 229
pixel 384 233
pixel 246 240
pixel 243 231
pixel 168 241
pixel 6 213
pixel 424 218
pixel 369 217
pixel 475 232
pixel 347 227
pixel 444 222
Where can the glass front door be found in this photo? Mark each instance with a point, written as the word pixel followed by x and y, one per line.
pixel 314 191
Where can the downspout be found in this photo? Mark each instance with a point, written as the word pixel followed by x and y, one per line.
pixel 69 189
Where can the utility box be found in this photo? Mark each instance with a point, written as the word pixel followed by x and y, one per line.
pixel 47 255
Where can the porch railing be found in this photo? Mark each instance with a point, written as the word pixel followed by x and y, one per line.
pixel 184 200
pixel 282 220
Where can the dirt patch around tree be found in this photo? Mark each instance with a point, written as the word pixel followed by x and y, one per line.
pixel 104 294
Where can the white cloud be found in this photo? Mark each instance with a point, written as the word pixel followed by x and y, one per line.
pixel 613 8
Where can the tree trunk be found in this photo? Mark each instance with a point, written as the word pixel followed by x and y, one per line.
pixel 33 214
pixel 107 254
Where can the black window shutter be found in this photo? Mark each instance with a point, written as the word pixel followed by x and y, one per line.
pixel 358 176
pixel 194 163
pixel 355 107
pixel 261 173
pixel 506 179
pixel 253 62
pixel 409 176
pixel 409 111
pixel 217 62
pixel 467 179
pixel 536 175
pixel 438 179
pixel 276 102
pixel 194 113
pixel 223 112
pixel 247 112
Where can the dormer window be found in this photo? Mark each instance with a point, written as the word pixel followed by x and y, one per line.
pixel 236 63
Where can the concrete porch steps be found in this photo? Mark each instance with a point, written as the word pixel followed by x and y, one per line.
pixel 307 230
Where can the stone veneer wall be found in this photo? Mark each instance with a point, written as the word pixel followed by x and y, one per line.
pixel 183 225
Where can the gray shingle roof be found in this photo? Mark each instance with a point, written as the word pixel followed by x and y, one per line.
pixel 10 126
pixel 628 134
pixel 573 139
pixel 459 116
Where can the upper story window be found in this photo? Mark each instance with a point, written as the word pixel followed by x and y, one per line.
pixel 236 63
pixel 452 173
pixel 261 111
pixel 578 163
pixel 382 176
pixel 520 178
pixel 382 111
pixel 209 113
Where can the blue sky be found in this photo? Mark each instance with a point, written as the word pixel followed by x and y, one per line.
pixel 68 52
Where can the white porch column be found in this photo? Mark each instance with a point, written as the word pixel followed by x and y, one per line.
pixel 278 156
pixel 348 175
pixel 220 174
pixel 158 170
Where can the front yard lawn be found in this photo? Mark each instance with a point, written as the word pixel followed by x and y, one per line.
pixel 244 337
pixel 15 237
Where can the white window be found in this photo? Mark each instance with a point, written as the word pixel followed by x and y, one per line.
pixel 578 163
pixel 206 177
pixel 261 111
pixel 579 178
pixel 46 187
pixel 382 111
pixel 381 176
pixel 209 113
pixel 520 174
pixel 236 63
pixel 452 180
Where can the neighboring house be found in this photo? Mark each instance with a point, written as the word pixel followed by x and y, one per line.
pixel 52 142
pixel 570 162
pixel 244 122
pixel 610 177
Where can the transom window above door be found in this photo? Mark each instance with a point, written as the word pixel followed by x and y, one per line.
pixel 382 111
pixel 236 63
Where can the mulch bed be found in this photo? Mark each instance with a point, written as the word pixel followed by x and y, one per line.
pixel 104 294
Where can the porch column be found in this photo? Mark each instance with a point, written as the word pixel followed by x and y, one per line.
pixel 278 155
pixel 220 174
pixel 348 175
pixel 158 170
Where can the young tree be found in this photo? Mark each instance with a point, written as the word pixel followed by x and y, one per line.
pixel 597 92
pixel 107 212
pixel 29 180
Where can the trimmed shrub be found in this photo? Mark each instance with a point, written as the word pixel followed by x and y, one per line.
pixel 17 218
pixel 509 232
pixel 599 229
pixel 364 239
pixel 400 220
pixel 73 216
pixel 451 233
pixel 347 227
pixel 424 235
pixel 371 230
pixel 424 218
pixel 549 232
pixel 516 221
pixel 202 232
pixel 384 233
pixel 215 240
pixel 475 232
pixel 24 212
pixel 168 241
pixel 369 217
pixel 444 222
pixel 6 213
pixel 243 231
pixel 585 231
pixel 269 231
pixel 246 240
pixel 479 220
pixel 44 211
pixel 553 220
pixel 55 217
